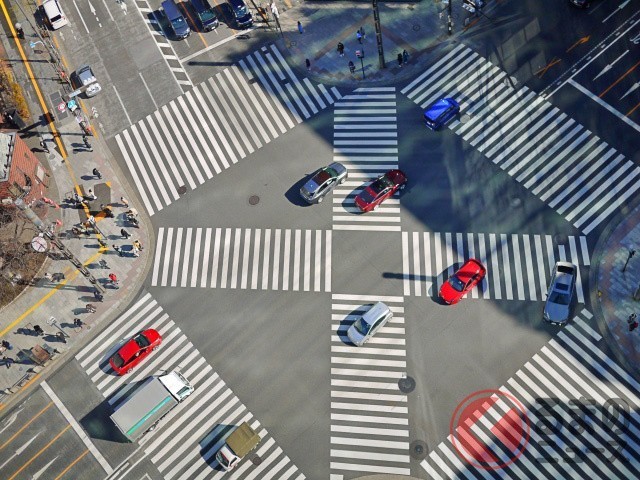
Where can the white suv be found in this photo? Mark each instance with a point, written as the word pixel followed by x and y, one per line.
pixel 55 16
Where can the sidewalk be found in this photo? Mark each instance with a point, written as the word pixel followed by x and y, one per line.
pixel 50 304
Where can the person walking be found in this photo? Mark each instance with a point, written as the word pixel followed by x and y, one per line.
pixel 124 202
pixel 20 31
pixel 87 145
pixel 341 49
pixel 113 279
pixel 300 29
pixel 96 173
pixel 400 60
pixel 124 233
pixel 137 244
pixel 308 63
pixel 91 195
pixel 352 67
pixel 91 308
pixel 362 33
pixel 405 56
pixel 359 36
pixel 38 330
pixel 136 252
pixel 118 249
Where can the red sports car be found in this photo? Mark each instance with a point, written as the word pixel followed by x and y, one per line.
pixel 381 189
pixel 458 284
pixel 134 350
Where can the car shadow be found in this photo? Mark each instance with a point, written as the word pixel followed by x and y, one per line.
pixel 293 193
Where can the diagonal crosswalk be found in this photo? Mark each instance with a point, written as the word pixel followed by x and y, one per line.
pixel 243 258
pixel 186 440
pixel 365 140
pixel 369 414
pixel 216 124
pixel 564 164
pixel 518 265
pixel 582 408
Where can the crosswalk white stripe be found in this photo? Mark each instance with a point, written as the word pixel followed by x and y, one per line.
pixel 443 61
pixel 256 259
pixel 406 282
pixel 196 260
pixel 369 431
pixel 266 78
pixel 186 263
pixel 266 258
pixel 162 117
pixel 171 126
pixel 225 258
pixel 200 107
pixel 437 244
pixel 162 147
pixel 507 265
pixel 237 236
pixel 368 443
pixel 240 90
pixel 205 259
pixel 483 258
pixel 176 257
pixel 146 161
pixel 219 118
pixel 487 125
pixel 529 267
pixel 186 133
pixel 239 81
pixel 518 266
pixel 315 94
pixel 276 258
pixel 550 253
pixel 317 260
pixel 438 80
pixel 216 258
pixel 241 120
pixel 307 260
pixel 284 66
pixel 381 397
pixel 542 275
pixel 370 419
pixel 494 273
pixel 158 255
pixel 472 254
pixel 416 262
pixel 156 155
pixel 134 173
pixel 296 260
pixel 167 257
pixel 327 259
pixel 286 256
pixel 589 183
pixel 245 258
pixel 225 116
pixel 357 372
pixel 427 262
pixel 185 101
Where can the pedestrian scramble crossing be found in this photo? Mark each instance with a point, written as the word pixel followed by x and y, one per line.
pixel 582 409
pixel 518 265
pixel 365 140
pixel 244 258
pixel 216 124
pixel 369 414
pixel 562 163
pixel 184 444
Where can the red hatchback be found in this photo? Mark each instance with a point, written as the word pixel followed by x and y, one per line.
pixel 134 350
pixel 458 284
pixel 381 189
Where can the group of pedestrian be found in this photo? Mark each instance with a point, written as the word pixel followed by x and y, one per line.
pixel 403 58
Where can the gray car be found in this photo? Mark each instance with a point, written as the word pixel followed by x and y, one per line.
pixel 557 308
pixel 84 78
pixel 322 182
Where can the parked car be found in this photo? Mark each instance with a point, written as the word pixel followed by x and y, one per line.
pixel 322 182
pixel 368 324
pixel 382 188
pixel 177 21
pixel 83 78
pixel 580 3
pixel 205 14
pixel 440 112
pixel 241 14
pixel 461 282
pixel 134 350
pixel 557 307
pixel 54 14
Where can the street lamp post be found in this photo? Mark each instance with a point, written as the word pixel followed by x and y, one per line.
pixel 450 19
pixel 376 22
pixel 360 55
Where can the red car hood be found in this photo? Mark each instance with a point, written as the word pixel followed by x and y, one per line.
pixel 128 350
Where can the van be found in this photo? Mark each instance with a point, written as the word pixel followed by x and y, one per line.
pixel 205 14
pixel 361 331
pixel 55 15
pixel 178 23
pixel 241 15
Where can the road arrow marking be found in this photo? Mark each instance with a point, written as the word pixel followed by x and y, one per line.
pixel 620 7
pixel 39 473
pixel 633 87
pixel 20 450
pixel 579 42
pixel 608 67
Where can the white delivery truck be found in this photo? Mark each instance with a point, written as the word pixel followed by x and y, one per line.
pixel 143 410
pixel 238 444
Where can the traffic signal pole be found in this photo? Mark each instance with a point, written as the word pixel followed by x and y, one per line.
pixel 376 21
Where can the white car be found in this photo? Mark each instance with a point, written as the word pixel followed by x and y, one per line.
pixel 55 16
pixel 84 78
pixel 366 326
pixel 557 308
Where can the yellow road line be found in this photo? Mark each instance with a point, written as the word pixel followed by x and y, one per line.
pixel 26 425
pixel 39 453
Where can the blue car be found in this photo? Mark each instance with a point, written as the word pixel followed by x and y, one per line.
pixel 440 112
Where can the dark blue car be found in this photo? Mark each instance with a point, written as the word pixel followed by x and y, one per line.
pixel 440 112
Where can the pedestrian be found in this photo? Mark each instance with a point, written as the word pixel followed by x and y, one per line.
pixel 400 60
pixel 300 29
pixel 44 146
pixel 96 172
pixel 137 244
pixel 136 252
pixel 7 361
pixel 119 250
pixel 632 318
pixel 124 202
pixel 108 211
pixel 38 330
pixel 87 145
pixel 341 49
pixel 633 326
pixel 359 36
pixel 362 33
pixel 91 196
pixel 48 277
pixel 77 323
pixel 19 31
pixel 308 63
pixel 90 308
pixel 352 67
pixel 98 296
pixel 92 220
pixel 102 205
pixel 124 233
pixel 405 56
pixel 113 279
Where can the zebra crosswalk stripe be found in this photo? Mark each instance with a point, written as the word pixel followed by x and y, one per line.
pixel 522 133
pixel 284 259
pixel 185 442
pixel 506 257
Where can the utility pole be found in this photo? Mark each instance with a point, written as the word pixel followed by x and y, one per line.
pixel 39 224
pixel 450 19
pixel 376 21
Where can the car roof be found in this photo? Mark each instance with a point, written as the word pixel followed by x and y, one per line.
pixel 129 349
pixel 438 108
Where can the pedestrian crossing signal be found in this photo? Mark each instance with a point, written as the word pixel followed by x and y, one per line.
pixel 360 53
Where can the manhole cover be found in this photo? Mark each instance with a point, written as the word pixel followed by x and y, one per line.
pixel 416 28
pixel 515 202
pixel 182 190
pixel 418 450
pixel 406 384
pixel 465 118
pixel 254 200
pixel 256 460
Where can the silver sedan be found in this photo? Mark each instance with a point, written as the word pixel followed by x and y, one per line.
pixel 322 182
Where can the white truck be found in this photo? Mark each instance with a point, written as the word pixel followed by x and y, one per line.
pixel 145 408
pixel 237 445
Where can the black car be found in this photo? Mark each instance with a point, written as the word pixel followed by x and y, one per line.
pixel 581 3
pixel 205 14
pixel 241 14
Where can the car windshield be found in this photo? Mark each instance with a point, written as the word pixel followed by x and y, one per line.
pixel 178 23
pixel 241 11
pixel 207 16
pixel 362 327
pixel 322 176
pixel 559 298
pixel 380 184
pixel 456 283
pixel 118 361
pixel 366 196
pixel 142 341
